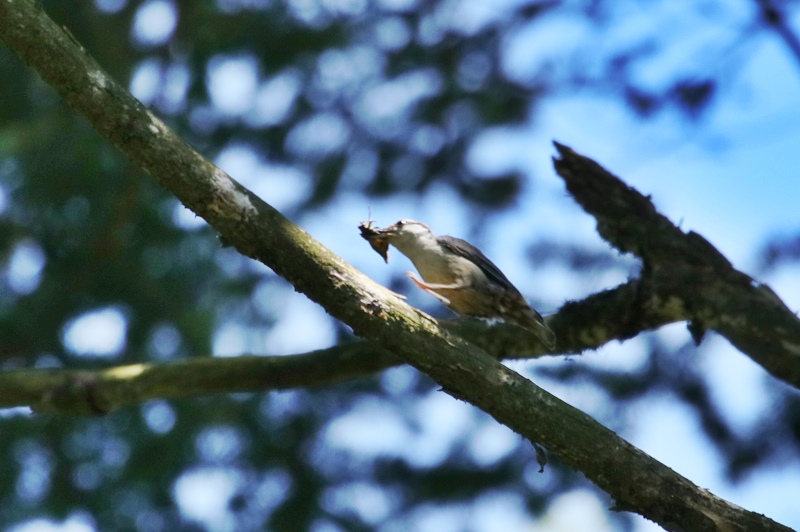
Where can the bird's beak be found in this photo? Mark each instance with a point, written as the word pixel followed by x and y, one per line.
pixel 380 234
pixel 378 238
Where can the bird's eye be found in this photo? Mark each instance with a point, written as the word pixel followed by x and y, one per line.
pixel 401 222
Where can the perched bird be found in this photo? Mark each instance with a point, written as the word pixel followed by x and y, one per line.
pixel 459 275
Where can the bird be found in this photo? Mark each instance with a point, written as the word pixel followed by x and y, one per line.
pixel 459 275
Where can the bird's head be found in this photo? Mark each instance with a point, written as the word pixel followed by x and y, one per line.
pixel 406 231
pixel 405 235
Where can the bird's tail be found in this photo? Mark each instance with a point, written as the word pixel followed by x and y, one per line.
pixel 531 320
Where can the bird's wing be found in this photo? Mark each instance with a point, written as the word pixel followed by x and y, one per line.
pixel 470 252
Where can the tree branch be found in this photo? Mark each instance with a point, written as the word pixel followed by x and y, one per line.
pixel 636 481
pixel 685 271
pixel 587 324
pixel 92 392
pixel 774 17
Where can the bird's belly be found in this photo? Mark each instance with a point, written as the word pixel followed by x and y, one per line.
pixel 447 270
pixel 468 302
pixel 434 274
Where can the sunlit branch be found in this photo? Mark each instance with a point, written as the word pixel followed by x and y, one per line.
pixel 613 314
pixel 86 392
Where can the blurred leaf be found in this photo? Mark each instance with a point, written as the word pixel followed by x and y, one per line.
pixel 493 192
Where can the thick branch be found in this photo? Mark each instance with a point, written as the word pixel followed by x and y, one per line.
pixel 686 271
pixel 636 481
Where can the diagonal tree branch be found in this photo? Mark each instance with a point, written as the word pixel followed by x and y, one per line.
pixel 685 271
pixel 636 481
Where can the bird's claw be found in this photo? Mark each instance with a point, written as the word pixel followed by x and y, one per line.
pixel 417 280
pixel 427 288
